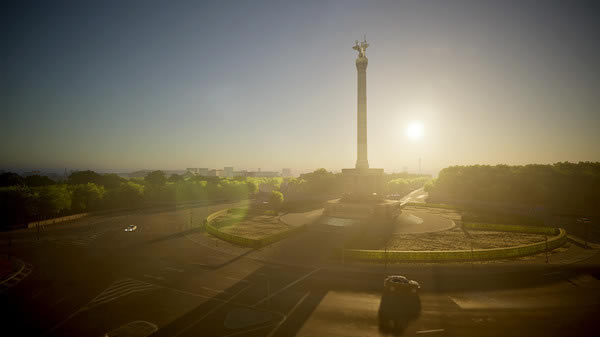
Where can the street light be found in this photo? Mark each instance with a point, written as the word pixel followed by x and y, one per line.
pixel 585 221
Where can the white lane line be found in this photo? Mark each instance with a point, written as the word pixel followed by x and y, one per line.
pixel 114 293
pixel 160 278
pixel 62 299
pixel 15 274
pixel 174 269
pixel 288 314
pixel 236 279
pixel 286 287
pixel 249 330
pixel 214 290
pixel 430 331
pixel 38 293
pixel 118 289
pixel 215 308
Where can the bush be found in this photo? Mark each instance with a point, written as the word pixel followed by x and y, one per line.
pixel 404 186
pixel 276 200
pixel 17 205
pixel 87 197
pixel 561 186
pixel 53 200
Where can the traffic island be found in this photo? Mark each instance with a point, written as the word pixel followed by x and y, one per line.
pixel 553 238
pixel 249 228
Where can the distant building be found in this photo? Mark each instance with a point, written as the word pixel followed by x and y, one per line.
pixel 266 174
pixel 286 172
pixel 192 170
pixel 228 172
pixel 31 173
pixel 214 173
pixel 198 171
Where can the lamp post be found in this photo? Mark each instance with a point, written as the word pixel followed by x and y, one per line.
pixel 586 222
pixel 546 239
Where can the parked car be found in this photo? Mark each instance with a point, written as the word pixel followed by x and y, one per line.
pixel 130 228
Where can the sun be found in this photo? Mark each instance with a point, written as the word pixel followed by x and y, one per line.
pixel 415 130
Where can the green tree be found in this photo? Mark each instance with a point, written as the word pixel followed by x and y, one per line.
pixel 17 205
pixel 38 180
pixel 175 178
pixel 130 194
pixel 276 200
pixel 53 200
pixel 10 179
pixel 157 178
pixel 84 177
pixel 87 197
pixel 111 180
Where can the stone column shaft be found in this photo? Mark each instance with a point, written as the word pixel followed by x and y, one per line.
pixel 361 158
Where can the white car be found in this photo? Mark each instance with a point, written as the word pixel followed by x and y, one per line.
pixel 131 228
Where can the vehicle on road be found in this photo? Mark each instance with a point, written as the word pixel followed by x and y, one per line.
pixel 130 228
pixel 400 284
pixel 400 303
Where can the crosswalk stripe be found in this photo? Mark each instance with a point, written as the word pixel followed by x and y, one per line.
pixel 121 288
pixel 113 292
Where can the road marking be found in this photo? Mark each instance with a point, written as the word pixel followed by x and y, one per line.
pixel 214 290
pixel 137 328
pixel 119 289
pixel 16 277
pixel 38 293
pixel 215 308
pixel 175 269
pixel 249 330
pixel 288 314
pixel 62 299
pixel 160 278
pixel 430 331
pixel 286 287
pixel 236 279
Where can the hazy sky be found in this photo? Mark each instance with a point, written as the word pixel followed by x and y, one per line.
pixel 175 84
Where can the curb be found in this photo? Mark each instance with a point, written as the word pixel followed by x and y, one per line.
pixel 581 243
pixel 380 256
pixel 243 241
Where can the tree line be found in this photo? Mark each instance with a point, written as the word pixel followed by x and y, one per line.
pixel 562 186
pixel 25 199
pixel 325 183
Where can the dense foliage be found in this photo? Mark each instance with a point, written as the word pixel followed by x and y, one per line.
pixel 323 182
pixel 404 186
pixel 27 199
pixel 561 186
pixel 276 200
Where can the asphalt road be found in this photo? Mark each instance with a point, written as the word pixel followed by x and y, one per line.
pixel 90 277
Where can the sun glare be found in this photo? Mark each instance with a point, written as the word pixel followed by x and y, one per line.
pixel 415 131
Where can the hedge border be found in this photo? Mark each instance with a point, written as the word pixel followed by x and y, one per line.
pixel 380 256
pixel 56 220
pixel 243 241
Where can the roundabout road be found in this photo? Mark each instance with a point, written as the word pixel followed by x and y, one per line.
pixel 91 277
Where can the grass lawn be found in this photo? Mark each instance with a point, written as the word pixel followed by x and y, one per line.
pixel 253 225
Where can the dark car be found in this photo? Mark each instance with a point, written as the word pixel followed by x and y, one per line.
pixel 399 304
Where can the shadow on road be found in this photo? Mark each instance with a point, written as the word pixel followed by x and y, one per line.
pixel 396 311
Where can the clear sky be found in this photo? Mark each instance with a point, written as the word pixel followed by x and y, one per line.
pixel 122 85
